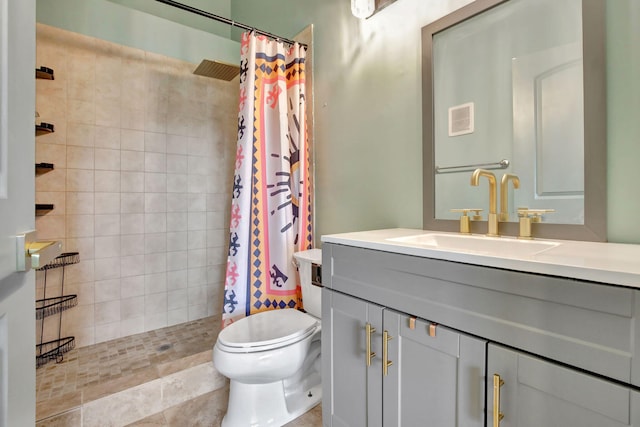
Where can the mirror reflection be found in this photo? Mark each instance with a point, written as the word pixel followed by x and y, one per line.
pixel 506 83
pixel 508 97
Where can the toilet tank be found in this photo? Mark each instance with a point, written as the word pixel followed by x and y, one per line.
pixel 309 263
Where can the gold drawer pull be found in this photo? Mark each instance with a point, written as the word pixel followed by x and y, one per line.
pixel 370 354
pixel 497 415
pixel 385 353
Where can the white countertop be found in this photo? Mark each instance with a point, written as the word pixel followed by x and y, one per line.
pixel 611 263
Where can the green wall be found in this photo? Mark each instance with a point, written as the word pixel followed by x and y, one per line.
pixel 368 109
pixel 130 27
pixel 216 7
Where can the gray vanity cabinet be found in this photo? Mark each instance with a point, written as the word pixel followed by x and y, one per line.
pixel 567 350
pixel 532 392
pixel 351 390
pixel 434 376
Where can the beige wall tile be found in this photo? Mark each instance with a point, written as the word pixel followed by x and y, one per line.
pixel 177 144
pixel 155 263
pixel 52 181
pixel 155 162
pixel 155 202
pixel 132 326
pixel 131 202
pixel 108 112
pixel 107 181
pixel 79 225
pixel 155 243
pixel 107 268
pixel 132 244
pixel 132 286
pixel 107 246
pixel 177 202
pixel 51 153
pixel 155 142
pixel 80 157
pixel 80 111
pixel 107 290
pixel 125 190
pixel 107 332
pixel 177 316
pixel 79 203
pixel 50 227
pixel 79 180
pixel 83 245
pixel 132 308
pixel 155 182
pixel 133 265
pixel 132 161
pixel 178 260
pixel 107 203
pixel 177 241
pixel 197 275
pixel 177 183
pixel 155 321
pixel 107 137
pixel 107 159
pixel 132 224
pixel 155 303
pixel 81 134
pixel 155 283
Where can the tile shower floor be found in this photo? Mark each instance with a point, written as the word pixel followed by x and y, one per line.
pixel 67 393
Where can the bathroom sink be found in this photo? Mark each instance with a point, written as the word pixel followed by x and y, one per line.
pixel 476 244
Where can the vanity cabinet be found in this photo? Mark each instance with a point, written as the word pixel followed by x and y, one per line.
pixel 436 376
pixel 352 397
pixel 532 392
pixel 390 369
pixel 567 350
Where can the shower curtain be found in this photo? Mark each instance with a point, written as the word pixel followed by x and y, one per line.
pixel 271 201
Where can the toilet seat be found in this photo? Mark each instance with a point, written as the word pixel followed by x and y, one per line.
pixel 266 331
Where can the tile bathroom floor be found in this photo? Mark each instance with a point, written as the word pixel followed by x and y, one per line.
pixel 95 371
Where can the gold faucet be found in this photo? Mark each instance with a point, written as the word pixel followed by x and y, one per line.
pixel 504 195
pixel 493 200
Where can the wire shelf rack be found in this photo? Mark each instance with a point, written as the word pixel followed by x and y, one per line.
pixel 53 350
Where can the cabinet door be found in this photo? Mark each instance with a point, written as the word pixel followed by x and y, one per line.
pixel 352 391
pixel 436 377
pixel 537 393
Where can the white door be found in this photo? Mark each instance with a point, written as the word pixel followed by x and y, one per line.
pixel 17 212
pixel 548 133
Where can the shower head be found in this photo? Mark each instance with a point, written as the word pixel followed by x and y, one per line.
pixel 217 70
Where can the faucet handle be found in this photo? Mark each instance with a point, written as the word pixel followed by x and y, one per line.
pixel 465 224
pixel 527 216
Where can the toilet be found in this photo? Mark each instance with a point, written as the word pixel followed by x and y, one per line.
pixel 272 358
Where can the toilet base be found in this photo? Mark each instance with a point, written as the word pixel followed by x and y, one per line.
pixel 258 405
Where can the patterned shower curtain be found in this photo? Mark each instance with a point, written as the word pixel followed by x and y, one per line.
pixel 271 202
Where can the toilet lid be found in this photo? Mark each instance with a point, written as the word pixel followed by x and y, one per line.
pixel 267 330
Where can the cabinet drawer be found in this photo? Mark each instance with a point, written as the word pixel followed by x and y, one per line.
pixel 584 324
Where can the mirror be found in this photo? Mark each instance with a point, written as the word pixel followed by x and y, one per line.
pixel 517 86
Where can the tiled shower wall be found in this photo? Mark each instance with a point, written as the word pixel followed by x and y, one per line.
pixel 144 153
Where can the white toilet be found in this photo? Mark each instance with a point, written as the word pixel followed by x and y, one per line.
pixel 272 359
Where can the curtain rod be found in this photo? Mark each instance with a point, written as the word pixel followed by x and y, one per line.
pixel 227 21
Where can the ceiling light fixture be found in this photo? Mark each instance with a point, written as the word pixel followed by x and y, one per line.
pixel 363 8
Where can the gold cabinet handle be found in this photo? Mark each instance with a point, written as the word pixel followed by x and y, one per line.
pixel 385 353
pixel 497 415
pixel 369 331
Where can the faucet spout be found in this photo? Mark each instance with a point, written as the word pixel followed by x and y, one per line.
pixel 493 199
pixel 504 194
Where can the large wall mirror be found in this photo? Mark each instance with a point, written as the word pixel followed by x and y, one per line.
pixel 518 87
